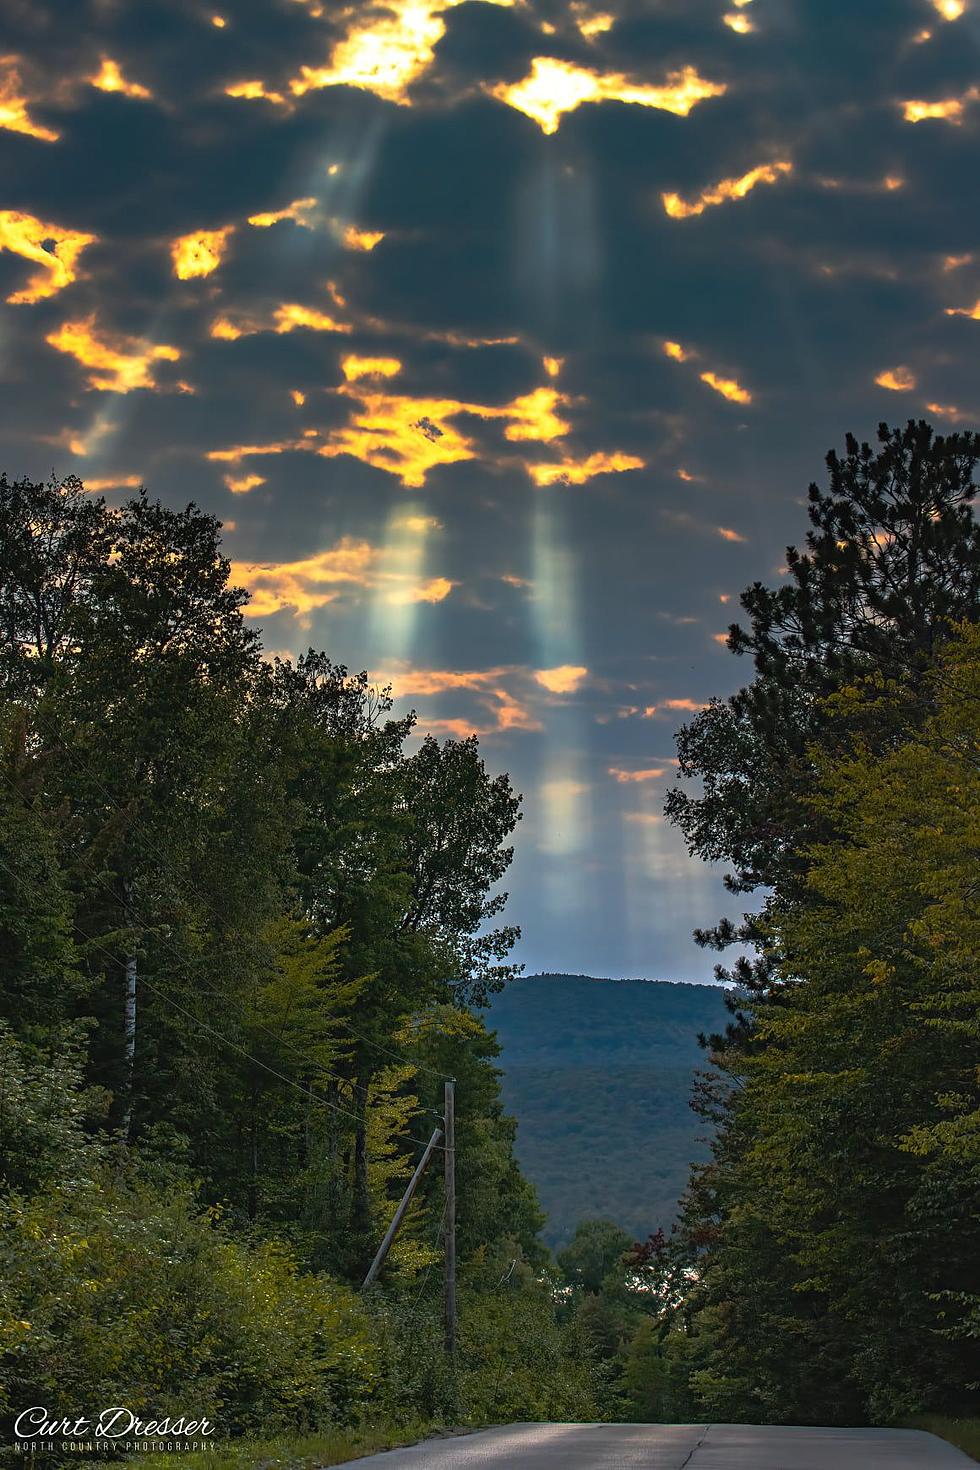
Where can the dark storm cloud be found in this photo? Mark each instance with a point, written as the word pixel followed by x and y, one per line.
pixel 575 624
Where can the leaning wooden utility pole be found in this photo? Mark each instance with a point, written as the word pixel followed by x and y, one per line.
pixel 392 1230
pixel 450 1156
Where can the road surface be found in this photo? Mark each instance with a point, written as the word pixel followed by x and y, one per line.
pixel 675 1447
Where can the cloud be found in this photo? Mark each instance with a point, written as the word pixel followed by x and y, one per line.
pixel 300 212
pixel 945 109
pixel 898 379
pixel 384 54
pixel 109 78
pixel 242 484
pixel 554 87
pixel 354 367
pixel 950 9
pixel 302 586
pixel 356 239
pixel 727 534
pixel 579 472
pixel 291 315
pixel 729 388
pixel 113 482
pixel 739 23
pixel 14 104
pixel 410 436
pixel 53 248
pixel 627 777
pixel 200 253
pixel 119 364
pixel 725 190
pixel 973 312
pixel 565 679
pixel 499 707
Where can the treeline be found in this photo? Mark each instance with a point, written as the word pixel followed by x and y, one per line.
pixel 240 927
pixel 826 1266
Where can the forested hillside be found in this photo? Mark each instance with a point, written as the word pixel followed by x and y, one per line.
pixel 598 1074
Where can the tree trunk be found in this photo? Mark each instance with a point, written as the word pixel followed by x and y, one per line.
pixel 129 1043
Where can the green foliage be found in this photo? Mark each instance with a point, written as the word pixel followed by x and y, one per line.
pixel 238 926
pixel 114 1293
pixel 834 1233
pixel 892 557
pixel 594 1254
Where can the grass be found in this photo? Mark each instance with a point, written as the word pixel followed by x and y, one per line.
pixel 292 1452
pixel 964 1433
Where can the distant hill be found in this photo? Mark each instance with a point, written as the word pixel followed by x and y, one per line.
pixel 598 1074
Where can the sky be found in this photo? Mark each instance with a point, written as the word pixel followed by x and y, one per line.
pixel 505 339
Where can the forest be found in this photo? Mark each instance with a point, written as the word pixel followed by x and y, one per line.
pixel 248 929
pixel 241 930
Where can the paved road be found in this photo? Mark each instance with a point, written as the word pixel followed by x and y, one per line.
pixel 675 1447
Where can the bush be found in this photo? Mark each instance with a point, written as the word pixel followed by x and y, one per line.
pixel 115 1293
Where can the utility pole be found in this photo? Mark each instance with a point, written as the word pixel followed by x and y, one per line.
pixel 392 1230
pixel 450 1157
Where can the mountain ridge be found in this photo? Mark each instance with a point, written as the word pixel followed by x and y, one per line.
pixel 598 1072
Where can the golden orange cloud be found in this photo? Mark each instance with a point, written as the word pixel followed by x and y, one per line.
pixel 534 416
pixel 199 253
pixel 954 262
pixel 727 387
pixel 410 436
pixel 291 315
pixel 110 79
pixel 554 87
pixel 242 484
pixel 14 105
pixel 505 710
pixel 300 212
pixel 354 367
pixel 302 586
pixel 255 91
pixel 625 777
pixel 565 679
pixel 243 451
pixel 973 312
pixel 740 24
pixel 592 24
pixel 725 189
pixel 113 482
pixel 676 351
pixel 945 109
pixel 119 364
pixel 579 472
pixel 53 248
pixel 356 239
pixel 950 411
pixel 898 379
pixel 727 534
pixel 950 9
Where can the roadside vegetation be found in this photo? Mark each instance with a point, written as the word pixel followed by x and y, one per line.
pixel 242 917
pixel 824 1269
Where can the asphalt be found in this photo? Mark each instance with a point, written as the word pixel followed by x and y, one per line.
pixel 676 1447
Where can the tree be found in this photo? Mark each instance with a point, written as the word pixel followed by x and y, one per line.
pixel 834 1231
pixel 892 558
